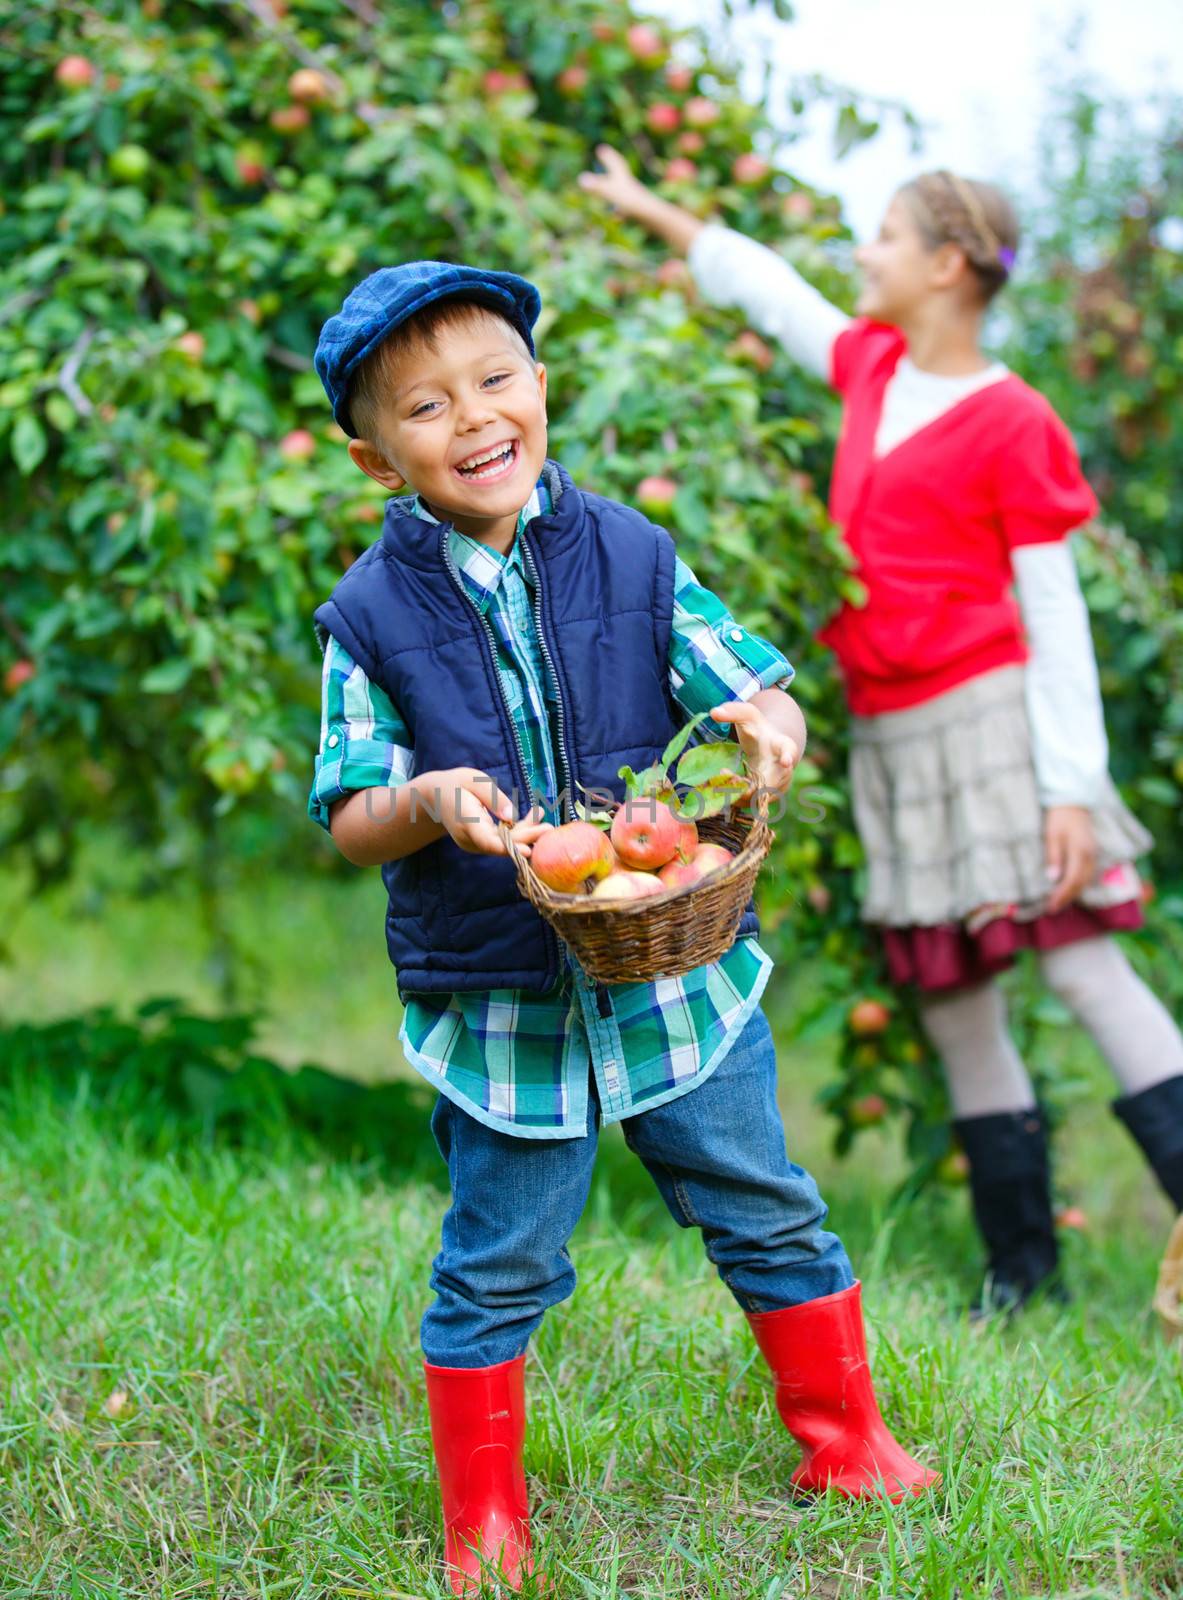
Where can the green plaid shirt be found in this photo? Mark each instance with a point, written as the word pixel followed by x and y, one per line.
pixel 517 1061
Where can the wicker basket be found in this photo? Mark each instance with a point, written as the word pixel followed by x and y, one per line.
pixel 1168 1297
pixel 663 935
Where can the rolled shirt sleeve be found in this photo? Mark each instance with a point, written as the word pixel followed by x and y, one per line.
pixel 364 743
pixel 712 658
pixel 732 270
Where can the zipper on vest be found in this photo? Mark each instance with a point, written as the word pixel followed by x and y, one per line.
pixel 551 938
pixel 564 760
pixel 492 642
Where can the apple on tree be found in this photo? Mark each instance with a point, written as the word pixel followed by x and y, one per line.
pixel 299 445
pixel 655 495
pixel 74 72
pixel 868 1018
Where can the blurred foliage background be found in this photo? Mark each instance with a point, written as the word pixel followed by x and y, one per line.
pixel 191 188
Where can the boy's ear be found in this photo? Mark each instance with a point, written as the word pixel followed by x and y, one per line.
pixel 366 455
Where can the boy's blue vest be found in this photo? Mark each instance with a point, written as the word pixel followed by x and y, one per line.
pixel 604 606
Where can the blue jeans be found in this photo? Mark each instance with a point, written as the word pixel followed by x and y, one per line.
pixel 717 1155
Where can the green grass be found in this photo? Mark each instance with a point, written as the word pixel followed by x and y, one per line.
pixel 258 1306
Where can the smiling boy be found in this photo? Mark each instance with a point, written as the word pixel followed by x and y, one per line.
pixel 513 635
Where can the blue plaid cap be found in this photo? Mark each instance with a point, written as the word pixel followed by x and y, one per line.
pixel 392 294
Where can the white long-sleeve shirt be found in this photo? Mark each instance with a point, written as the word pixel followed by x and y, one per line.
pixel 1069 746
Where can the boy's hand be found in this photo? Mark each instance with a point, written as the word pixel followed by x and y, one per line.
pixel 616 183
pixel 771 755
pixel 1071 847
pixel 471 805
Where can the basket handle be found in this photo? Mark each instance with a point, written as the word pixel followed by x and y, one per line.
pixel 504 829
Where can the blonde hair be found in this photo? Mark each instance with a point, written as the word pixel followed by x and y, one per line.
pixel 976 217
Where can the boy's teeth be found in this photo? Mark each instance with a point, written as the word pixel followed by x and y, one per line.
pixel 493 458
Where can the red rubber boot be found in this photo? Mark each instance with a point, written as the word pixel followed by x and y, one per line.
pixel 818 1355
pixel 478 1422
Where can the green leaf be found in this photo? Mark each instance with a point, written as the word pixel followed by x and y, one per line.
pixel 707 761
pixel 681 739
pixel 29 443
pixel 168 677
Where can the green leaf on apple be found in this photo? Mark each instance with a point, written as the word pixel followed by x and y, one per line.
pixel 707 761
pixel 598 819
pixel 711 796
pixel 650 781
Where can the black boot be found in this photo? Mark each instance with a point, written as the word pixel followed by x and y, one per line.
pixel 1155 1118
pixel 1008 1178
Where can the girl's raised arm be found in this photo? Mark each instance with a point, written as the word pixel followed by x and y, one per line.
pixel 729 268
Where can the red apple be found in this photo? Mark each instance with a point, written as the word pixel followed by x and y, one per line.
pixel 679 78
pixel 250 162
pixel 645 42
pixel 687 840
pixel 868 1110
pixel 74 72
pixel 1071 1217
pixel 573 80
pixel 290 119
pixel 250 310
pixel 674 274
pixel 656 495
pixel 750 346
pixel 710 857
pixel 799 206
pixel 191 344
pixel 299 445
pixel 645 833
pixel 691 143
pixel 750 168
pixel 308 85
pixel 19 673
pixel 680 170
pixel 819 897
pixel 868 1017
pixel 663 117
pixel 603 31
pixel 497 82
pixel 679 874
pixel 571 858
pixel 628 886
pixel 700 112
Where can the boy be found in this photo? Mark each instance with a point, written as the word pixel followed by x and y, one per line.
pixel 510 633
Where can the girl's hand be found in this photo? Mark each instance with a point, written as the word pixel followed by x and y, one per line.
pixel 1070 845
pixel 616 183
pixel 771 755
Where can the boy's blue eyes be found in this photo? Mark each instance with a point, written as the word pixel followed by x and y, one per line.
pixel 494 377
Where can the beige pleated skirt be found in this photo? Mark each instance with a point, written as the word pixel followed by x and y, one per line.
pixel 947 807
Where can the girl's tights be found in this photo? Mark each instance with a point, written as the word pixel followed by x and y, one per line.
pixel 1129 1025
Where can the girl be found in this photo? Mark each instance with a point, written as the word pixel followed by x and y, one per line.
pixel 979 763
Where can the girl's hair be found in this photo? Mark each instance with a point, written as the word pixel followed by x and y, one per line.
pixel 977 217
